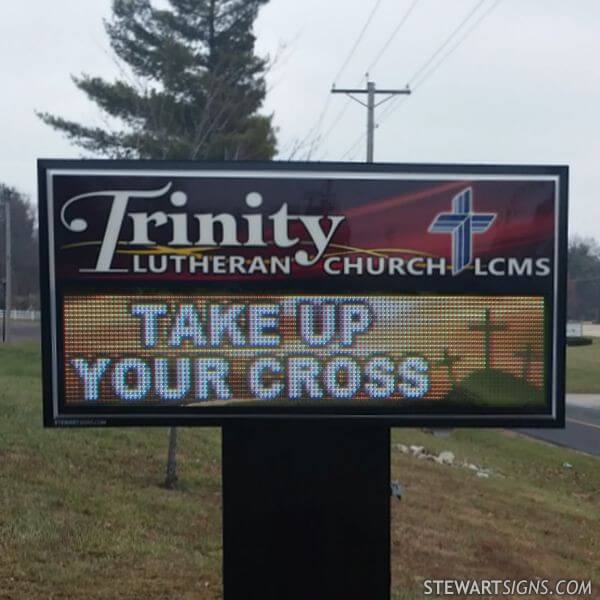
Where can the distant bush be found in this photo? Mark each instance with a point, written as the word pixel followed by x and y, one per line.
pixel 579 341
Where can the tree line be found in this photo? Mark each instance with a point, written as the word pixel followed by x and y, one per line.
pixel 24 249
pixel 583 293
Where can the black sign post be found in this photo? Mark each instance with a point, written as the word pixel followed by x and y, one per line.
pixel 306 511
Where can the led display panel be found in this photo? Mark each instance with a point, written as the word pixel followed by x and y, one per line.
pixel 239 350
pixel 194 294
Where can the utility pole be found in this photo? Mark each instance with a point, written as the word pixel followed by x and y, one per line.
pixel 371 91
pixel 7 271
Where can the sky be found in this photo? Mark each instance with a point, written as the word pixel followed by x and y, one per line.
pixel 522 87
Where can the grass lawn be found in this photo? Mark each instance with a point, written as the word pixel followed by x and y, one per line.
pixel 82 513
pixel 583 368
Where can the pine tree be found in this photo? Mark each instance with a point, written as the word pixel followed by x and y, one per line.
pixel 191 89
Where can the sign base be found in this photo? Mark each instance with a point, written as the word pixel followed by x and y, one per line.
pixel 306 511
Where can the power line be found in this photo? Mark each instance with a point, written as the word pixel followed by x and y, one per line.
pixel 337 119
pixel 392 36
pixel 392 107
pixel 354 146
pixel 422 74
pixel 312 134
pixel 425 71
pixel 447 40
pixel 373 63
pixel 459 43
pixel 358 40
pixel 315 128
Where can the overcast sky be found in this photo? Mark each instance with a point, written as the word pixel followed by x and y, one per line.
pixel 523 86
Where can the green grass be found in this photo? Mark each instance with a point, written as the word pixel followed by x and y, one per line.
pixel 83 514
pixel 583 368
pixel 532 518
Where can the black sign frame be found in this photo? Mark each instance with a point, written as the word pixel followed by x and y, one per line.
pixel 56 415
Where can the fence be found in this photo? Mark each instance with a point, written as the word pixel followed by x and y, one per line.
pixel 22 315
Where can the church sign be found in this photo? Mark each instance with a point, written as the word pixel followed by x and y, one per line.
pixel 196 293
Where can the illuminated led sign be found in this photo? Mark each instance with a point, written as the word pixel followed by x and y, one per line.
pixel 193 294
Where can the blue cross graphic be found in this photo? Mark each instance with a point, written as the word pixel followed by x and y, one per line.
pixel 462 223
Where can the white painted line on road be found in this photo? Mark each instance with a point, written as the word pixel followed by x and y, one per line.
pixel 583 423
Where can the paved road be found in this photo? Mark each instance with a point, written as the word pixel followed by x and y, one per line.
pixel 582 430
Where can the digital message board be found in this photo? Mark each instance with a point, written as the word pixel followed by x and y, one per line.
pixel 199 293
